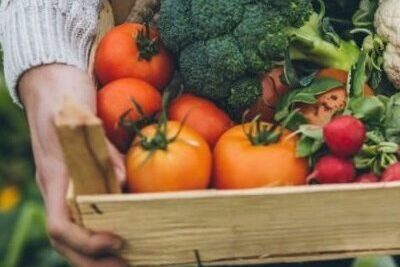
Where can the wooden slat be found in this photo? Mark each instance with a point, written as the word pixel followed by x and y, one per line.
pixel 83 142
pixel 256 226
pixel 73 206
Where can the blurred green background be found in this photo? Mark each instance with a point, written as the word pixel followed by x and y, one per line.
pixel 23 238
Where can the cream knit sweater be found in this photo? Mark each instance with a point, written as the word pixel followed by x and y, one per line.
pixel 37 32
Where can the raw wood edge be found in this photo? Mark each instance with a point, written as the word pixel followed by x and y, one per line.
pixel 73 205
pixel 212 193
pixel 85 150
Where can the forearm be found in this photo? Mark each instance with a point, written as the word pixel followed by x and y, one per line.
pixel 42 91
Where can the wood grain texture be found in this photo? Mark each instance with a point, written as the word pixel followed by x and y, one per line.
pixel 86 154
pixel 72 205
pixel 250 226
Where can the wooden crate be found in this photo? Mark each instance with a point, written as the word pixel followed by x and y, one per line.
pixel 212 227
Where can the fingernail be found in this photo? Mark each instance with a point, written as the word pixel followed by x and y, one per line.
pixel 118 245
pixel 120 173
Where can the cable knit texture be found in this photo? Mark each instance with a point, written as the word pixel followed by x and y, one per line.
pixel 38 32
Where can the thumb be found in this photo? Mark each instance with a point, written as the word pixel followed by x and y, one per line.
pixel 117 160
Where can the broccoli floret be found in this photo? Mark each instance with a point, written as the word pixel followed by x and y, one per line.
pixel 243 93
pixel 224 45
pixel 197 59
pixel 266 40
pixel 175 24
pixel 214 18
pixel 313 43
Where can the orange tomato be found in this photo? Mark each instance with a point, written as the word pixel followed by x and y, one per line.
pixel 185 164
pixel 240 164
pixel 115 99
pixel 201 115
pixel 331 102
pixel 121 55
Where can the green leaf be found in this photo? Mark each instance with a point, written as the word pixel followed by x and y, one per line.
pixel 312 131
pixel 368 109
pixel 376 78
pixel 364 17
pixel 307 95
pixel 392 121
pixel 328 32
pixel 312 140
pixel 289 72
pixel 308 146
pixel 358 76
pixel 376 154
pixel 293 121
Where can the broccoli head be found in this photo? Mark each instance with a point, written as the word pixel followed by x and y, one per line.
pixel 224 45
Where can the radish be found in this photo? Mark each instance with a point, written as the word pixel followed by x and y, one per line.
pixel 344 136
pixel 367 178
pixel 392 173
pixel 333 170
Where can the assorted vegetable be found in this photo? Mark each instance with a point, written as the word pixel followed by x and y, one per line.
pixel 201 115
pixel 168 156
pixel 122 102
pixel 133 51
pixel 251 155
pixel 265 93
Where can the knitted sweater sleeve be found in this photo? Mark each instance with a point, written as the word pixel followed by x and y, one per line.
pixel 38 32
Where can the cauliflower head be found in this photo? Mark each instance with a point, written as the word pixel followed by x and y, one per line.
pixel 387 23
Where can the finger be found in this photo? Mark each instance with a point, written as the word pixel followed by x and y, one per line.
pixel 62 229
pixel 118 163
pixel 79 260
pixel 84 241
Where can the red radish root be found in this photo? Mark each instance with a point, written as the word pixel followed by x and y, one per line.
pixel 344 136
pixel 367 178
pixel 392 173
pixel 333 170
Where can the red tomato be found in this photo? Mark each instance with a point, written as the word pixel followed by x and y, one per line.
pixel 122 55
pixel 201 115
pixel 115 99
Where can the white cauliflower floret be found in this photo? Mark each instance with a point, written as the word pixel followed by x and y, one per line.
pixel 387 23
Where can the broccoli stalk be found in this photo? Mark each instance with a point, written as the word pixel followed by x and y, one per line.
pixel 321 45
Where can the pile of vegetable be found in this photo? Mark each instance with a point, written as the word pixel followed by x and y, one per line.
pixel 237 94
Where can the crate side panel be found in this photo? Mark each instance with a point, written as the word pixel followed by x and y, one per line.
pixel 221 228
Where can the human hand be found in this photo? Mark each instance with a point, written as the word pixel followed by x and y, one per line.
pixel 42 91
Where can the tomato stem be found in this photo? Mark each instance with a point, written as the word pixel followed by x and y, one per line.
pixel 160 139
pixel 260 134
pixel 133 127
pixel 147 46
